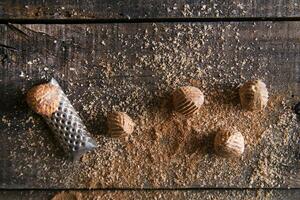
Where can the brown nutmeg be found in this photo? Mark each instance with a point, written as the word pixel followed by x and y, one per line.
pixel 254 95
pixel 229 142
pixel 67 196
pixel 119 124
pixel 187 100
pixel 43 99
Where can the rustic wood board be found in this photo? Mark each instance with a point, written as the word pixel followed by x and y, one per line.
pixel 200 194
pixel 59 9
pixel 134 67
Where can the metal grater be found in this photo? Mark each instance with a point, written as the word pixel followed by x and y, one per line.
pixel 67 126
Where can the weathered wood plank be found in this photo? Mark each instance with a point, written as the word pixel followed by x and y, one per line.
pixel 106 9
pixel 134 68
pixel 190 195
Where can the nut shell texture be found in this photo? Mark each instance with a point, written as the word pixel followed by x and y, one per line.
pixel 187 100
pixel 254 95
pixel 119 124
pixel 229 143
pixel 43 99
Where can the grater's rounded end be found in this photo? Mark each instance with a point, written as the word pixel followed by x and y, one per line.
pixel 43 99
pixel 90 145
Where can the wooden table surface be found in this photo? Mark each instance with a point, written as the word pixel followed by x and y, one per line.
pixel 128 56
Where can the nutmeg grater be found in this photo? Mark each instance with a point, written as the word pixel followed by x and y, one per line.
pixel 50 101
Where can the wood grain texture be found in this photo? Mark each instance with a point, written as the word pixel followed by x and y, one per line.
pixel 108 66
pixel 190 195
pixel 132 9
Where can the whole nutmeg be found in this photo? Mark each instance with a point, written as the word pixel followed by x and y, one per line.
pixel 254 95
pixel 119 124
pixel 229 142
pixel 187 100
pixel 43 99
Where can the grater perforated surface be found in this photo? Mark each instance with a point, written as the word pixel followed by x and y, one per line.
pixel 69 128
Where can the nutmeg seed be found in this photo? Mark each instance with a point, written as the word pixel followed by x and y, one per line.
pixel 119 124
pixel 254 95
pixel 229 142
pixel 187 100
pixel 43 99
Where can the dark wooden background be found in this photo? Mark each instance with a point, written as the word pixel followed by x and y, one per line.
pixel 93 9
pixel 62 48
